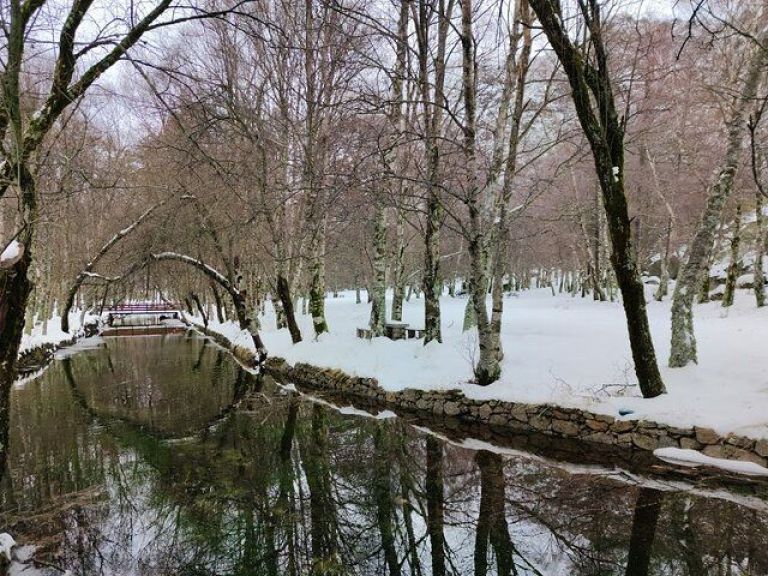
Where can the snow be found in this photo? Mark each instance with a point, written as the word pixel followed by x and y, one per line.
pixel 11 252
pixel 563 350
pixel 54 333
pixel 694 458
pixel 6 544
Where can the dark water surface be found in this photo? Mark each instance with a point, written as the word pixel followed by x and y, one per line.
pixel 128 460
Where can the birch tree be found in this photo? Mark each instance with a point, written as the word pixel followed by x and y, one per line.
pixel 432 96
pixel 683 343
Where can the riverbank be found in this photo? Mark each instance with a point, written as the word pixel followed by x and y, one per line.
pixel 39 346
pixel 563 352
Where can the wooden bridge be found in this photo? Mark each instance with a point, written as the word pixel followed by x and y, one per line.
pixel 143 318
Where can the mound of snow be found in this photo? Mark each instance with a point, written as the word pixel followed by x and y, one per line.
pixel 6 544
pixel 11 254
pixel 694 458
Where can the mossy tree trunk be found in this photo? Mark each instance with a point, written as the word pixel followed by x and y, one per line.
pixel 758 280
pixel 317 283
pixel 733 268
pixel 379 297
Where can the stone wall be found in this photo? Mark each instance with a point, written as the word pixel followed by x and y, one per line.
pixel 540 418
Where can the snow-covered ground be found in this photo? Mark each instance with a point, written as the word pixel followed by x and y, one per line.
pixel 52 333
pixel 563 350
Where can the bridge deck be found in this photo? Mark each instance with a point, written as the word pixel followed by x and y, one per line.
pixel 142 318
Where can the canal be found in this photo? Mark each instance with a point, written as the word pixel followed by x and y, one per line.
pixel 138 456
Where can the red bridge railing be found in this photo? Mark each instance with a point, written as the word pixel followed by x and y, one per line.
pixel 144 308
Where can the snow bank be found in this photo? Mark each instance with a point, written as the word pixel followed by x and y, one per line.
pixel 6 545
pixel 694 458
pixel 568 351
pixel 10 254
pixel 54 333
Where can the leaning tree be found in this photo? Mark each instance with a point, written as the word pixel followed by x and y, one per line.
pixel 589 77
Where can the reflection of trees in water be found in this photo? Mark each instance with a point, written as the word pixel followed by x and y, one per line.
pixel 292 488
pixel 492 518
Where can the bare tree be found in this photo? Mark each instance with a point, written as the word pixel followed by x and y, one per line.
pixel 592 94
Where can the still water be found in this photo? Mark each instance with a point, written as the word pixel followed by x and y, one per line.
pixel 129 459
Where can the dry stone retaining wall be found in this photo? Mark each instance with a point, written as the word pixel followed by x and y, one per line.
pixel 551 420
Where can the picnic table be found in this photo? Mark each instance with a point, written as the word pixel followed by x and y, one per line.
pixel 394 331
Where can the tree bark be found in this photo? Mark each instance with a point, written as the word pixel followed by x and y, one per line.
pixel 379 300
pixel 317 283
pixel 758 280
pixel 733 268
pixel 398 282
pixel 519 66
pixel 287 304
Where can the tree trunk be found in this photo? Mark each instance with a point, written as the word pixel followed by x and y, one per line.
pixel 13 302
pixel 287 305
pixel 199 305
pixel 597 290
pixel 398 282
pixel 663 287
pixel 379 302
pixel 433 107
pixel 491 370
pixel 733 268
pixel 683 344
pixel 317 284
pixel 604 130
pixel 14 294
pixel 758 280
pixel 219 306
pixel 430 278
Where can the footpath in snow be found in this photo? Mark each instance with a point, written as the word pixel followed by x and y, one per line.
pixel 572 352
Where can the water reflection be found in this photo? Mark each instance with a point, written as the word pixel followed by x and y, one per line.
pixel 99 478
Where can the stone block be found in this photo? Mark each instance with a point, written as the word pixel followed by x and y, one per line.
pixel 706 435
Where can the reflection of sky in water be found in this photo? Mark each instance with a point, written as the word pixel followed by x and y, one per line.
pixel 106 475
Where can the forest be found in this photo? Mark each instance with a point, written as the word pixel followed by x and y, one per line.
pixel 553 204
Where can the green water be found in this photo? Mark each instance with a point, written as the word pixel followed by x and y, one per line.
pixel 127 460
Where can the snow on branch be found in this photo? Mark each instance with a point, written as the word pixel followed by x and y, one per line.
pixel 203 267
